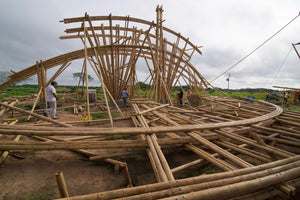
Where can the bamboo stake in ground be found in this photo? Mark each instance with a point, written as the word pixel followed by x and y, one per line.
pixel 60 180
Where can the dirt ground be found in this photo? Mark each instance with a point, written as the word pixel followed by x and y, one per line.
pixel 33 176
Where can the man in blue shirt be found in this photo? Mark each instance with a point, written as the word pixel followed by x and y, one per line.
pixel 124 94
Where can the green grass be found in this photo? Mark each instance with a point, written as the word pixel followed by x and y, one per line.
pixel 19 91
pixel 103 115
pixel 42 196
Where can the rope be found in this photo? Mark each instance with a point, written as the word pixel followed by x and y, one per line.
pixel 255 49
pixel 281 66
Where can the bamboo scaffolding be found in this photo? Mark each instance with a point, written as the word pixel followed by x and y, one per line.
pixel 100 75
pixel 114 61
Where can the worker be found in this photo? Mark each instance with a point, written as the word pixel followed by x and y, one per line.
pixel 188 95
pixel 51 100
pixel 124 94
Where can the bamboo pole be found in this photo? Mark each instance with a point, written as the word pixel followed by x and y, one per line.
pixel 269 149
pixel 60 180
pixel 35 102
pixel 151 109
pixel 119 193
pixel 276 129
pixel 245 187
pixel 36 115
pixel 4 109
pixel 16 139
pixel 158 164
pixel 219 163
pixel 86 72
pixel 219 150
pixel 8 145
pixel 150 156
pixel 208 185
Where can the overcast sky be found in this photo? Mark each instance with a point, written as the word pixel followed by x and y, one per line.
pixel 227 30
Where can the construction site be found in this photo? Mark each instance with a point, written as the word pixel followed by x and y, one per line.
pixel 157 146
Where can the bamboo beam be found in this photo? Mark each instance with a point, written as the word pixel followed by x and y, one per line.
pixel 4 109
pixel 8 145
pixel 269 149
pixel 188 181
pixel 154 108
pixel 245 187
pixel 16 139
pixel 36 115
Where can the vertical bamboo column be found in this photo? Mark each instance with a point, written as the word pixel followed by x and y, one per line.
pixel 112 58
pixel 86 72
pixel 41 74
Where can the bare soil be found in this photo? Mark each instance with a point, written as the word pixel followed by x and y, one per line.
pixel 33 176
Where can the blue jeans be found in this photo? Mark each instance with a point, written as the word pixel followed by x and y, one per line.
pixel 125 99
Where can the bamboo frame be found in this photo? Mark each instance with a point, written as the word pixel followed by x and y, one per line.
pixel 113 56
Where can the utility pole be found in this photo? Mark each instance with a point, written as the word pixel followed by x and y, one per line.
pixel 228 80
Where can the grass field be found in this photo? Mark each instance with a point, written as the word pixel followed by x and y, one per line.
pixel 21 91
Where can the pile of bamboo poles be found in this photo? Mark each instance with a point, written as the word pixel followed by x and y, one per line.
pixel 217 133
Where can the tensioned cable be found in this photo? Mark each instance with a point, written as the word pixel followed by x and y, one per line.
pixel 255 49
pixel 280 67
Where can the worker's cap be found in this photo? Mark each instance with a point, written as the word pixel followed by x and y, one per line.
pixel 53 82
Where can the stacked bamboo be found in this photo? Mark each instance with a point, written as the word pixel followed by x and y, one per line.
pixel 215 186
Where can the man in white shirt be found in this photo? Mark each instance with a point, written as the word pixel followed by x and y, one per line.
pixel 51 99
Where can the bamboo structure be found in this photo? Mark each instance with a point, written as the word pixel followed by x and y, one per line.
pixel 243 141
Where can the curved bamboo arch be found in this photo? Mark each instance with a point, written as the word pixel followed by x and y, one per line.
pixel 111 52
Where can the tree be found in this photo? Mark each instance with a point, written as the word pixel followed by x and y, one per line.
pixel 79 75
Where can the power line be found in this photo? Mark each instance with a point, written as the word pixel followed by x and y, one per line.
pixel 254 49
